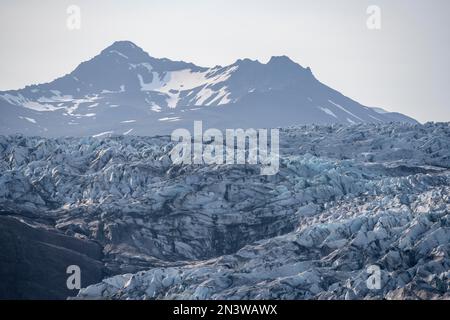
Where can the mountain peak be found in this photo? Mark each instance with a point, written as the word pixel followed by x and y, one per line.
pixel 127 50
pixel 122 45
pixel 284 62
pixel 285 66
pixel 246 61
pixel 281 60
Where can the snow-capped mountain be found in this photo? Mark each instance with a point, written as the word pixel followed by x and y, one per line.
pixel 123 90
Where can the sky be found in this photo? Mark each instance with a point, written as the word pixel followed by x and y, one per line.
pixel 403 66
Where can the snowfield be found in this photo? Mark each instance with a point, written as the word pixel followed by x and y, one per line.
pixel 345 198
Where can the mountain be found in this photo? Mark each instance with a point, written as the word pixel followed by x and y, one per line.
pixel 123 90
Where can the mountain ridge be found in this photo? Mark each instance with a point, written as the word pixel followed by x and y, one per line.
pixel 122 81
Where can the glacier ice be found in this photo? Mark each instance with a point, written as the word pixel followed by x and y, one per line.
pixel 345 198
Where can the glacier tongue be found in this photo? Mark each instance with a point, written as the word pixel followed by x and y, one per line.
pixel 346 198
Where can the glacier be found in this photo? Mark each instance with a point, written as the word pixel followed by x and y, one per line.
pixel 345 198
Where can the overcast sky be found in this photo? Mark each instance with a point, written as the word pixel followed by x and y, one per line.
pixel 402 67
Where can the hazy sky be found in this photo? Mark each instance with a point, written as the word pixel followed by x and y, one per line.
pixel 402 67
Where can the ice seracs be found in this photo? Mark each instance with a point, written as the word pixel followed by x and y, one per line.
pixel 346 198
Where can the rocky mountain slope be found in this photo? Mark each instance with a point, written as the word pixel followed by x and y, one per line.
pixel 345 198
pixel 34 260
pixel 123 90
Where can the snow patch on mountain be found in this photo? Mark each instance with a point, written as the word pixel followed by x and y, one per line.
pixel 345 110
pixel 328 111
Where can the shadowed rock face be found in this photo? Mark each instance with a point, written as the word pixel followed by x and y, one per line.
pixel 34 260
